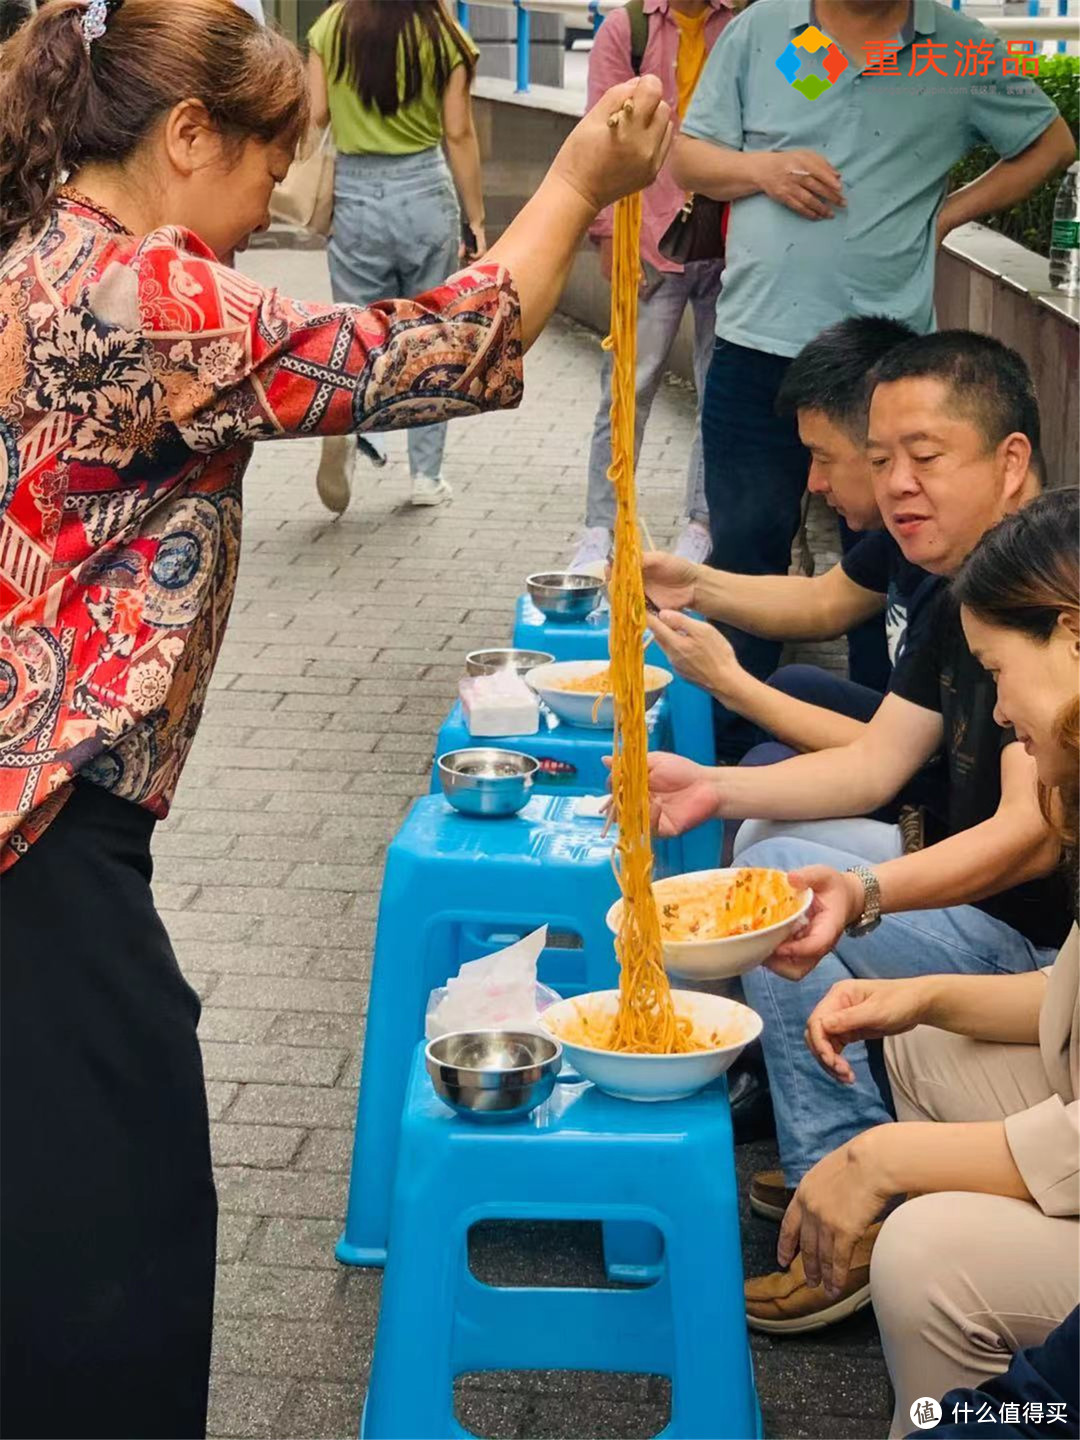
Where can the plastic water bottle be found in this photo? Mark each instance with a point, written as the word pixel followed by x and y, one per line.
pixel 1065 236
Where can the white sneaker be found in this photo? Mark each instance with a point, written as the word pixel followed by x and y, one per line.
pixel 430 491
pixel 593 552
pixel 373 448
pixel 695 543
pixel 334 479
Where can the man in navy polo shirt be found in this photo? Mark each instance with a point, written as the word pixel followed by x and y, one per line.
pixel 833 126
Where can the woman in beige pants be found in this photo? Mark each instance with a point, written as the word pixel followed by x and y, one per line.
pixel 985 1070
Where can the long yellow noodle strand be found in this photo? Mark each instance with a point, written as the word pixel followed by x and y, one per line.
pixel 646 1022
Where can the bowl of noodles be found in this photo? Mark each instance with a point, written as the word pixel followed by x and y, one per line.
pixel 715 924
pixel 579 691
pixel 719 1030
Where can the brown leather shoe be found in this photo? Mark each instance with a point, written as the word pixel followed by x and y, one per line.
pixel 784 1304
pixel 769 1196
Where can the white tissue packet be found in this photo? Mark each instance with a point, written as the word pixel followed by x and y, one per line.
pixel 499 704
pixel 496 992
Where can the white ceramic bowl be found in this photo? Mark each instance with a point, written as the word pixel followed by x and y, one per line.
pixel 725 956
pixel 575 707
pixel 657 1077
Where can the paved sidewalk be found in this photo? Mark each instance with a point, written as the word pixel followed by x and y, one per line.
pixel 343 654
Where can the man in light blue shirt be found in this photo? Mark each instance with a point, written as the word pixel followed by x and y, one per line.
pixel 832 125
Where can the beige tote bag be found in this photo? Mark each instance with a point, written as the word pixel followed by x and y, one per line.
pixel 306 196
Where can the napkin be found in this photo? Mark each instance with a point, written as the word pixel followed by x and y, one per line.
pixel 496 992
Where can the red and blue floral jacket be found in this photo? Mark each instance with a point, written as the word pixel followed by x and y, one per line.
pixel 135 375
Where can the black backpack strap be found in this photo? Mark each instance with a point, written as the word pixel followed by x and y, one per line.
pixel 639 33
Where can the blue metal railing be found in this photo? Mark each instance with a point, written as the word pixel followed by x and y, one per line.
pixel 523 55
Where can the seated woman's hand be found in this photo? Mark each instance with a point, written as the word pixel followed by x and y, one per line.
pixel 605 162
pixel 860 1010
pixel 834 1205
pixel 682 794
pixel 698 652
pixel 838 901
pixel 669 580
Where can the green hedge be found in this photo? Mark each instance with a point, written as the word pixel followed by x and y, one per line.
pixel 1029 222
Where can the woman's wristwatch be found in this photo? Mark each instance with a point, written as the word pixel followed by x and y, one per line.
pixel 870 918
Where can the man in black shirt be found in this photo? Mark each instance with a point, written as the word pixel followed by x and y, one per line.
pixel 803 706
pixel 954 446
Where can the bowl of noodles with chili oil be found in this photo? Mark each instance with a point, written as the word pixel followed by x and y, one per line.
pixel 715 924
pixel 579 691
pixel 713 1030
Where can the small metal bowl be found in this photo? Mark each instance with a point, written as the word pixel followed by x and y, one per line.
pixel 486 781
pixel 493 1075
pixel 562 595
pixel 487 662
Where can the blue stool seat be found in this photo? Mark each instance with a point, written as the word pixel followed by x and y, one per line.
pixel 574 759
pixel 691 707
pixel 574 752
pixel 457 887
pixel 582 1156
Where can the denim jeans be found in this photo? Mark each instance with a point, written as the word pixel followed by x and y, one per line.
pixel 755 476
pixel 814 1113
pixel 660 311
pixel 396 233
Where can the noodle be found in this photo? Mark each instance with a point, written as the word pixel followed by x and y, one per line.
pixel 598 683
pixel 645 1023
pixel 750 900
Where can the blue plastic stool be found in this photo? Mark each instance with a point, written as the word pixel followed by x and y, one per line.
pixel 576 753
pixel 691 707
pixel 457 887
pixel 575 762
pixel 582 1156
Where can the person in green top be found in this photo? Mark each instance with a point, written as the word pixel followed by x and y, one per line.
pixel 393 82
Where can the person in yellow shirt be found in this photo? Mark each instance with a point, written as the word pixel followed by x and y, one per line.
pixel 393 82
pixel 692 52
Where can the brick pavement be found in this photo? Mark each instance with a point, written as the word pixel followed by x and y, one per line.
pixel 343 653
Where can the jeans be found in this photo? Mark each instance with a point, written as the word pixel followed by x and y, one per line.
pixel 814 1113
pixel 396 232
pixel 755 476
pixel 817 687
pixel 660 311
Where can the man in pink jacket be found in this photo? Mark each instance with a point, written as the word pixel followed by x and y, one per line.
pixel 677 36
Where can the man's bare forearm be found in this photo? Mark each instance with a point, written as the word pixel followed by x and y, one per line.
pixel 714 170
pixel 1009 181
pixel 777 607
pixel 1002 852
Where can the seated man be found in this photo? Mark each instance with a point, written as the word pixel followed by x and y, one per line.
pixel 805 707
pixel 954 446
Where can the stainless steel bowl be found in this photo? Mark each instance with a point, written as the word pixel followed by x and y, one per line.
pixel 562 595
pixel 486 781
pixel 487 662
pixel 493 1075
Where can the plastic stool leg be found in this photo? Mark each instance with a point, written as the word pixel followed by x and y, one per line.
pixel 712 1393
pixel 633 1254
pixel 399 991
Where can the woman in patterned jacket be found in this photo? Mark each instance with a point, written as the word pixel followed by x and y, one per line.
pixel 136 369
